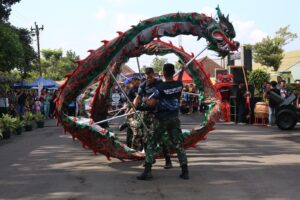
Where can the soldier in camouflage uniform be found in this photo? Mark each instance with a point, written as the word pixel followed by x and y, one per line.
pixel 134 131
pixel 146 89
pixel 167 102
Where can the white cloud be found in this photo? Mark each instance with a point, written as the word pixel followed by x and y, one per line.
pixel 121 2
pixel 209 11
pixel 101 14
pixel 257 35
pixel 247 31
pixel 123 21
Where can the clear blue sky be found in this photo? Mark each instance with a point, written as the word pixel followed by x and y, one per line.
pixel 81 25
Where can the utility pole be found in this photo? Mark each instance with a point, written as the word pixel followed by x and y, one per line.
pixel 36 32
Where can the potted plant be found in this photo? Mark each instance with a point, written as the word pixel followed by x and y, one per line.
pixel 8 125
pixel 39 119
pixel 28 117
pixel 19 125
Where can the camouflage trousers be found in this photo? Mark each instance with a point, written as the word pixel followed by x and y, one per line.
pixel 137 134
pixel 172 128
pixel 134 133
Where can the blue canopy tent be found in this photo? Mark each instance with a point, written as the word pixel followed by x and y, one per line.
pixel 54 83
pixel 44 82
pixel 21 85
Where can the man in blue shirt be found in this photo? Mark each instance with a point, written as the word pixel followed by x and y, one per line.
pixel 167 101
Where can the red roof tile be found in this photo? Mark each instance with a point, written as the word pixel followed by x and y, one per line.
pixel 209 65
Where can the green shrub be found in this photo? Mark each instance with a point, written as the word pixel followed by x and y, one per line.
pixel 19 123
pixel 8 123
pixel 28 117
pixel 39 117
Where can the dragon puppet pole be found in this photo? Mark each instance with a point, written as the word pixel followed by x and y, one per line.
pixel 190 61
pixel 117 113
pixel 124 115
pixel 111 111
pixel 194 94
pixel 128 100
pixel 247 97
pixel 123 76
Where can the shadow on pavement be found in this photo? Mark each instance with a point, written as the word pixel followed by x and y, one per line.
pixel 243 162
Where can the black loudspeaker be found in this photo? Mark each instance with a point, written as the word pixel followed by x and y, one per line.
pixel 238 75
pixel 247 59
pixel 233 90
pixel 235 87
pixel 251 90
pixel 220 71
pixel 233 106
pixel 230 60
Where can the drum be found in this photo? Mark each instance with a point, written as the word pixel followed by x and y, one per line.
pixel 261 110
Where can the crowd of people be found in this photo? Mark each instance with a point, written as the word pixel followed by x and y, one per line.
pixel 278 88
pixel 190 100
pixel 22 101
pixel 244 98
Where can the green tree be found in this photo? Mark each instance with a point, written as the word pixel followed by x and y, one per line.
pixel 16 50
pixel 5 9
pixel 70 61
pixel 158 63
pixel 11 50
pixel 6 80
pixel 55 65
pixel 285 35
pixel 29 54
pixel 143 68
pixel 178 65
pixel 258 77
pixel 269 51
pixel 52 54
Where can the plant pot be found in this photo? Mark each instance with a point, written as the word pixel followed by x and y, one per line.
pixel 19 131
pixel 6 134
pixel 28 127
pixel 40 124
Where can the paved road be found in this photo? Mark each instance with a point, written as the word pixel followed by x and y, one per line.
pixel 235 162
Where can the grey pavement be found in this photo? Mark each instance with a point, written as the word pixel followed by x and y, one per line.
pixel 235 162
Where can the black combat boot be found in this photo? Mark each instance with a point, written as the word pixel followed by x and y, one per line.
pixel 154 161
pixel 184 172
pixel 146 175
pixel 168 163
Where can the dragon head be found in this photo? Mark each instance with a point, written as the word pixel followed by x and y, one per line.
pixel 221 34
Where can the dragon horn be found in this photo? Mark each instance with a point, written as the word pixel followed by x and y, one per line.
pixel 219 12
